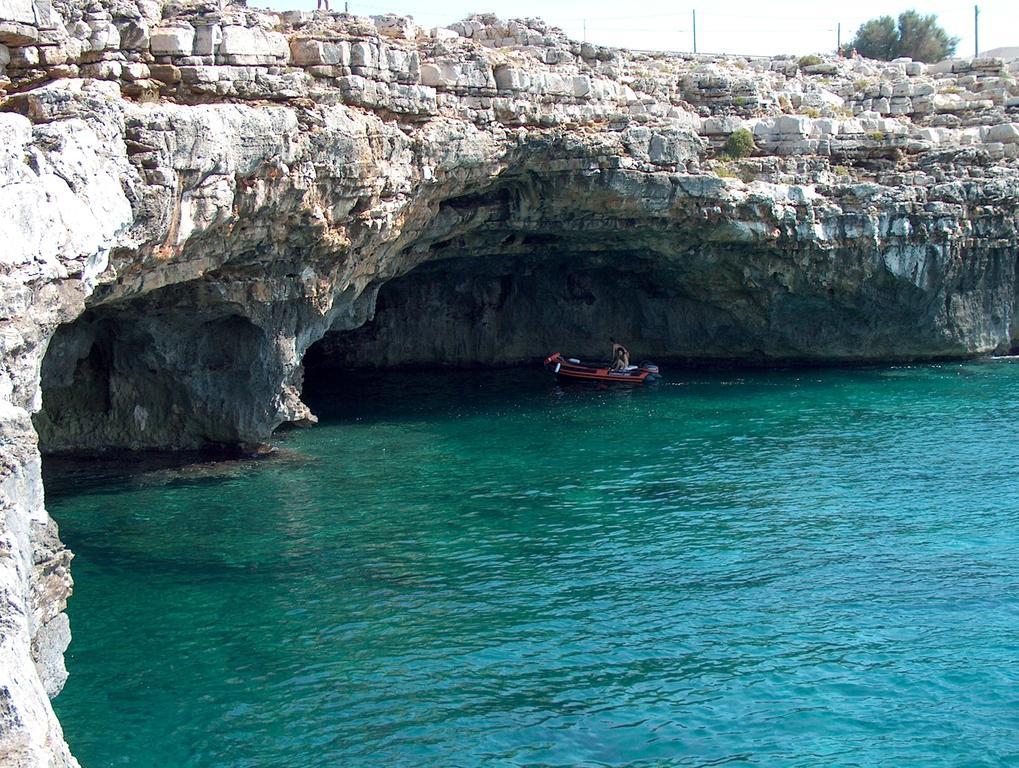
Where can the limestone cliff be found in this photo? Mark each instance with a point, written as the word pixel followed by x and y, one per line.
pixel 195 195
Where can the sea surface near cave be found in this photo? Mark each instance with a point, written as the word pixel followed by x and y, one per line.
pixel 479 569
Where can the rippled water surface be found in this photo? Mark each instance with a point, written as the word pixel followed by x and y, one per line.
pixel 785 568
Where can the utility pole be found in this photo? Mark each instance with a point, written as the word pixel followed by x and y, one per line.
pixel 838 37
pixel 585 30
pixel 976 30
pixel 694 31
pixel 346 7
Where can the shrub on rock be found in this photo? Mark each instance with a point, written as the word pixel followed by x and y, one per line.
pixel 740 143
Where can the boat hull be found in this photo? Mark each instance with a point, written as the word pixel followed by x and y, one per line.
pixel 595 373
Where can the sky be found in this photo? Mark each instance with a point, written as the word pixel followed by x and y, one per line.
pixel 733 26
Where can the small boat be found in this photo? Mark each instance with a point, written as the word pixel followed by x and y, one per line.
pixel 572 369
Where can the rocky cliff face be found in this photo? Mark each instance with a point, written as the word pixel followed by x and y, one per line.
pixel 195 195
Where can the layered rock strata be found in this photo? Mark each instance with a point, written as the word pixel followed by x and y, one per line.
pixel 194 195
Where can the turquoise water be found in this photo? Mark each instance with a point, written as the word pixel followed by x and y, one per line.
pixel 785 568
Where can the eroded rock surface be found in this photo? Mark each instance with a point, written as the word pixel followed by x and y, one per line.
pixel 195 195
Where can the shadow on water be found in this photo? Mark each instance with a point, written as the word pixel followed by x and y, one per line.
pixel 411 395
pixel 406 395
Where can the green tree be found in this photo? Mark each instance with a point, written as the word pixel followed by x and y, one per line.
pixel 922 39
pixel 916 36
pixel 877 39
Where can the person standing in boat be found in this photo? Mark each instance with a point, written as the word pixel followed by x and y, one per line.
pixel 620 356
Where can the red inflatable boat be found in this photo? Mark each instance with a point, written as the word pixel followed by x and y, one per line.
pixel 571 369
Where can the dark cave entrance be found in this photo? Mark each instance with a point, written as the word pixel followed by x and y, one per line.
pixel 471 312
pixel 541 261
pixel 140 375
pixel 535 262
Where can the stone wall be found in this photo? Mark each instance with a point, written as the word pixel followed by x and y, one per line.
pixel 516 73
